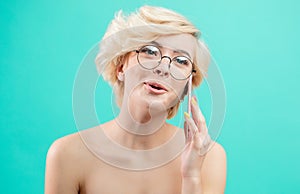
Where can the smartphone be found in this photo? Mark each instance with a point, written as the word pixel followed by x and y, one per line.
pixel 189 94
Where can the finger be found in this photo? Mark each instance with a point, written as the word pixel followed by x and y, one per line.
pixel 198 116
pixel 206 146
pixel 190 123
pixel 186 131
pixel 198 140
pixel 202 143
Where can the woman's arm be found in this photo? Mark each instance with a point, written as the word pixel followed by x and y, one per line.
pixel 203 163
pixel 61 169
pixel 214 170
pixel 213 174
pixel 191 185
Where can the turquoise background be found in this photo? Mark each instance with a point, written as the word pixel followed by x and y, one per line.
pixel 255 43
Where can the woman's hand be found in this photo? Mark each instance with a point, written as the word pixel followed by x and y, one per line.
pixel 198 142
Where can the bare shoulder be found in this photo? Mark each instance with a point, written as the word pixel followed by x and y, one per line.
pixel 217 151
pixel 67 146
pixel 72 149
pixel 63 158
pixel 215 158
pixel 69 152
pixel 214 169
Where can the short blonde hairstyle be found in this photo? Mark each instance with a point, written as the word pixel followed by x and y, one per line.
pixel 127 33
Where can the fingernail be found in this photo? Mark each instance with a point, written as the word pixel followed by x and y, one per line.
pixel 186 114
pixel 194 101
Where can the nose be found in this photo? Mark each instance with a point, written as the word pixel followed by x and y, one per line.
pixel 163 68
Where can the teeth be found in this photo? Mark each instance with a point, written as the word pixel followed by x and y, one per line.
pixel 155 87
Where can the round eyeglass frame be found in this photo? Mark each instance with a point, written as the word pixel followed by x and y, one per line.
pixel 159 62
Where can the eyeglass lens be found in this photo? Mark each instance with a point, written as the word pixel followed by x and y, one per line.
pixel 150 57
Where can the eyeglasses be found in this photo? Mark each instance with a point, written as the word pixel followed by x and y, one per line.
pixel 150 57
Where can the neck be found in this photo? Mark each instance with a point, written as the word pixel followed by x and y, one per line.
pixel 140 142
pixel 141 118
pixel 141 126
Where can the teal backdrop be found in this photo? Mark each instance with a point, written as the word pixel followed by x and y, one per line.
pixel 255 44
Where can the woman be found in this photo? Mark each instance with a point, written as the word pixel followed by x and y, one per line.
pixel 150 58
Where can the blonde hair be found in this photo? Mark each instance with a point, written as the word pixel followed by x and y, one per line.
pixel 126 33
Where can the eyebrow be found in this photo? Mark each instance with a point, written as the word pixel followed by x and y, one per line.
pixel 175 51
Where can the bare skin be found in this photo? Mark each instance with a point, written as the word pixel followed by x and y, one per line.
pixel 72 168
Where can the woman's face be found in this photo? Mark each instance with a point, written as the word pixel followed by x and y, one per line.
pixel 158 85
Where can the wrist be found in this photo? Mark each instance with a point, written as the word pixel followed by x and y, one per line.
pixel 191 185
pixel 192 179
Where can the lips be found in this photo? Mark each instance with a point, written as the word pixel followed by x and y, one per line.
pixel 155 88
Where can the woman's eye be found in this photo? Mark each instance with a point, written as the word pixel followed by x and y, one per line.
pixel 150 51
pixel 182 61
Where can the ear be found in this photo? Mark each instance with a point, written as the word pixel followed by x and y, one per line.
pixel 122 66
pixel 120 72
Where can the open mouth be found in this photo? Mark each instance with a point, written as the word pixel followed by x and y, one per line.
pixel 155 88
